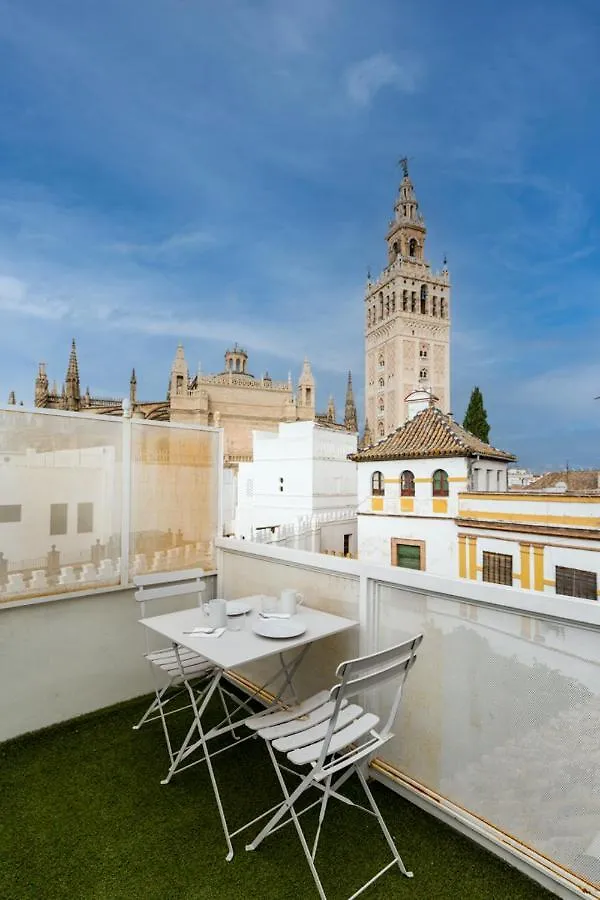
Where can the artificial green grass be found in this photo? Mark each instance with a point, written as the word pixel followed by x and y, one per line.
pixel 84 817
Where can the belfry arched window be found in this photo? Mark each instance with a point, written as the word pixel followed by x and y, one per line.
pixel 423 374
pixel 407 484
pixel 434 305
pixel 423 299
pixel 381 429
pixel 377 484
pixel 412 247
pixel 440 483
pixel 404 301
pixel 442 308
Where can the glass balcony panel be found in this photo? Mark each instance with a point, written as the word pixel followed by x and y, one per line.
pixel 174 497
pixel 501 717
pixel 60 503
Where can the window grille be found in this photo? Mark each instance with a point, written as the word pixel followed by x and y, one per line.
pixel 497 568
pixel 377 484
pixel 440 483
pixel 407 484
pixel 576 583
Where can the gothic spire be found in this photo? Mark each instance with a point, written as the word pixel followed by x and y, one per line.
pixel 366 438
pixel 132 389
pixel 350 417
pixel 331 409
pixel 72 388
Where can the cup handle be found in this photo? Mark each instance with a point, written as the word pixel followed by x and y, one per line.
pixel 299 599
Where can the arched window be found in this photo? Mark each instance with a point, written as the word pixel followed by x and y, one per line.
pixel 394 302
pixel 407 484
pixel 440 483
pixel 381 384
pixel 377 484
pixel 434 306
pixel 381 404
pixel 412 247
pixel 423 299
pixel 381 429
pixel 395 249
pixel 404 301
pixel 423 374
pixel 381 305
pixel 442 308
pixel 381 361
pixel 423 353
pixel 413 302
pixel 387 306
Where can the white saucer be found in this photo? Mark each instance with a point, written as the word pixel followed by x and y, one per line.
pixel 279 628
pixel 237 608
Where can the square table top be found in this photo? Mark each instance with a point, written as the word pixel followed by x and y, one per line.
pixel 237 648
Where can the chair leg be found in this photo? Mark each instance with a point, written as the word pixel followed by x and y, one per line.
pixel 288 805
pixel 382 824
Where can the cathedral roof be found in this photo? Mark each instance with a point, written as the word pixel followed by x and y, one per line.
pixel 431 433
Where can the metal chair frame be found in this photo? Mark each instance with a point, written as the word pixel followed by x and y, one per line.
pixel 336 738
pixel 184 670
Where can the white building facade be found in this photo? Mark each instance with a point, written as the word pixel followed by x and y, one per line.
pixel 298 472
pixel 433 497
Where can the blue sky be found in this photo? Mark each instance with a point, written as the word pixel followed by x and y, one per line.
pixel 210 172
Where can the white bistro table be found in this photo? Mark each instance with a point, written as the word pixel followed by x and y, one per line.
pixel 233 650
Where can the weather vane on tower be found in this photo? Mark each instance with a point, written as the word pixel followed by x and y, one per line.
pixel 404 163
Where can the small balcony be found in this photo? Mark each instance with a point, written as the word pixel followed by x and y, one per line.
pixel 497 739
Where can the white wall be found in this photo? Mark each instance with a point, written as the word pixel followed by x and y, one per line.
pixel 63 658
pixel 37 480
pixel 375 534
pixel 299 471
pixel 423 470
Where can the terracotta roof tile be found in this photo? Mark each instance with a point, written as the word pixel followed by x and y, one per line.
pixel 430 433
pixel 574 481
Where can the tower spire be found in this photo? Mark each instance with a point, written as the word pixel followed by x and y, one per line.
pixel 350 417
pixel 72 387
pixel 41 386
pixel 132 390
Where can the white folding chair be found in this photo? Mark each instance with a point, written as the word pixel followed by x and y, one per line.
pixel 335 738
pixel 171 669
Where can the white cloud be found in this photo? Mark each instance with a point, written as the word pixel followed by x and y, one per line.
pixel 567 392
pixel 186 240
pixel 16 297
pixel 365 78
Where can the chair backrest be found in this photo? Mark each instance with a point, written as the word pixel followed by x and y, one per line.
pixel 365 673
pixel 161 585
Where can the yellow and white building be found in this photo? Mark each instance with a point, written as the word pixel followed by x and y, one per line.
pixel 434 497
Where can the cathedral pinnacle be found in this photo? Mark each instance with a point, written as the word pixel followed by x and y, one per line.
pixel 72 388
pixel 350 417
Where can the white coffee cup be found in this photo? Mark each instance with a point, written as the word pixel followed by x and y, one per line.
pixel 290 600
pixel 218 613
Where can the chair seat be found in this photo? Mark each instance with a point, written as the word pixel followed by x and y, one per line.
pixel 270 719
pixel 305 736
pixel 340 740
pixel 192 663
pixel 301 723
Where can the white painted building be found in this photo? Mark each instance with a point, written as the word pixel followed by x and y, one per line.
pixel 297 473
pixel 435 498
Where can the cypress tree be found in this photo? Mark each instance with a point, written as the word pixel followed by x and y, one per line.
pixel 476 416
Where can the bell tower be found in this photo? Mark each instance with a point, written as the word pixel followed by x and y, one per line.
pixel 407 321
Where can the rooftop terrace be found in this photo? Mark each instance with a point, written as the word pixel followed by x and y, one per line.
pixel 498 734
pixel 86 817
